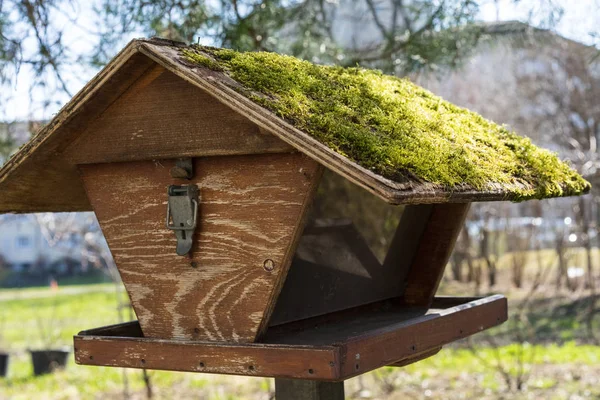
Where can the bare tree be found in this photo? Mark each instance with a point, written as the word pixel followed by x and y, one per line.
pixel 563 84
pixel 519 245
pixel 517 371
pixel 397 36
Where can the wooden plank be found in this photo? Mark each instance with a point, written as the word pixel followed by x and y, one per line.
pixel 332 349
pixel 295 389
pixel 163 116
pixel 435 246
pixel 384 346
pixel 251 211
pixel 207 357
pixel 405 243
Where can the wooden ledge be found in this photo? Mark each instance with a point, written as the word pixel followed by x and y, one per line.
pixel 332 348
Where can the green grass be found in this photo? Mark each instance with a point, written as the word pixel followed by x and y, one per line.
pixel 394 127
pixel 457 360
pixel 61 315
pixel 77 308
pixel 38 317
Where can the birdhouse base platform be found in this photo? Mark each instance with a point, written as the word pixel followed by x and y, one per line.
pixel 333 347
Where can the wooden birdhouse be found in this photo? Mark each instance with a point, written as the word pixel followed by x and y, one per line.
pixel 271 217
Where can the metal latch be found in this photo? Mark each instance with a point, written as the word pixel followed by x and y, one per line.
pixel 182 214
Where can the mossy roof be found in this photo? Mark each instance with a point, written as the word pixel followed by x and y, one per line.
pixel 391 137
pixel 393 127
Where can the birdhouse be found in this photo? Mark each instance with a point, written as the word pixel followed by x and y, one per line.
pixel 272 217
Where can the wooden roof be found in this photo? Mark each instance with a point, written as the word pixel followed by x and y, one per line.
pixel 43 176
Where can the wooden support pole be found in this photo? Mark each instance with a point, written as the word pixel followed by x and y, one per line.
pixel 435 245
pixel 296 389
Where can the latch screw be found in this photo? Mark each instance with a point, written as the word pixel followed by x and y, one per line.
pixel 269 265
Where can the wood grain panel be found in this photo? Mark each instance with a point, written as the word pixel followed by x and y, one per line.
pixel 251 209
pixel 405 243
pixel 163 116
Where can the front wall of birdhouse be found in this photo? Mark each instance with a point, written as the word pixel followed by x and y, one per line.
pixel 250 214
pixel 162 116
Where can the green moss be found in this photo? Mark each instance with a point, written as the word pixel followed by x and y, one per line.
pixel 204 61
pixel 394 127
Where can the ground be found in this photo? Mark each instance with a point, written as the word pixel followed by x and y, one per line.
pixel 558 360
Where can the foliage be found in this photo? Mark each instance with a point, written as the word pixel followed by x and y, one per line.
pixel 37 37
pixel 408 36
pixel 31 40
pixel 393 127
pixel 7 146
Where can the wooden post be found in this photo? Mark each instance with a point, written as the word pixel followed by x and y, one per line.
pixel 433 251
pixel 296 389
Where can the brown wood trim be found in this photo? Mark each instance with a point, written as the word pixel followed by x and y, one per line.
pixel 435 246
pixel 407 340
pixel 406 241
pixel 299 362
pixel 291 250
pixel 376 349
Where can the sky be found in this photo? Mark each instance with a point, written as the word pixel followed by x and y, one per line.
pixel 581 17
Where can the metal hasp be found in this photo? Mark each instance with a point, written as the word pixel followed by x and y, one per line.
pixel 182 214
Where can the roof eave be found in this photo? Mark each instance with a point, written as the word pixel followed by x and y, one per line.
pixel 100 93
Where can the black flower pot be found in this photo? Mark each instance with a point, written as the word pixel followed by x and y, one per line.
pixel 47 361
pixel 3 364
